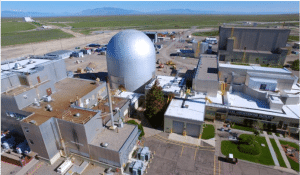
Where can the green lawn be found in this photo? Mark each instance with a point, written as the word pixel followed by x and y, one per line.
pixel 264 157
pixel 208 132
pixel 244 128
pixel 294 165
pixel 211 33
pixel 278 154
pixel 293 38
pixel 9 27
pixel 32 36
pixel 165 21
pixel 58 24
pixel 294 145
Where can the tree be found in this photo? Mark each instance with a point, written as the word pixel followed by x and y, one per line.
pixel 155 103
pixel 295 65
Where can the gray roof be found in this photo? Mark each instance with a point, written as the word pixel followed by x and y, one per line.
pixel 114 139
pixel 59 52
pixel 207 68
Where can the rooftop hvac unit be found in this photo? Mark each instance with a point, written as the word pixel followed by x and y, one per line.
pixel 18 66
pixel 64 167
pixel 49 107
pixel 5 145
pixel 33 122
pixel 31 62
pixel 77 115
pixel 19 151
pixel 47 98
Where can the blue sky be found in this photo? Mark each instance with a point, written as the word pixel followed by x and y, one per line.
pixel 146 6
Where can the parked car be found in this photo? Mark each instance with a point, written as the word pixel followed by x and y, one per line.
pixel 94 45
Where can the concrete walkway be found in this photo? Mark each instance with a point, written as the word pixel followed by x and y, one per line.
pixel 271 149
pixel 184 139
pixel 286 161
pixel 28 166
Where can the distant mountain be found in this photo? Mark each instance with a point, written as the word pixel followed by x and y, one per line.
pixel 182 12
pixel 105 11
pixel 108 11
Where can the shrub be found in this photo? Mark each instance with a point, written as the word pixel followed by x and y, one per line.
pixel 269 133
pixel 249 149
pixel 277 134
pixel 256 132
pixel 140 127
pixel 295 65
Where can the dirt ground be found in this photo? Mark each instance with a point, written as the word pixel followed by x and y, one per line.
pixel 11 52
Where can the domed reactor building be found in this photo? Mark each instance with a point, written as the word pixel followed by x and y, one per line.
pixel 130 60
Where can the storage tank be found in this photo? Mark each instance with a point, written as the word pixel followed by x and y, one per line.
pixel 130 60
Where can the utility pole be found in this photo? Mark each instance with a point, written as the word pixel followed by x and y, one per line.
pixel 60 44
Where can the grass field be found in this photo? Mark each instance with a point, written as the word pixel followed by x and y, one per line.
pixel 208 132
pixel 58 24
pixel 9 27
pixel 294 165
pixel 165 21
pixel 32 36
pixel 278 154
pixel 212 33
pixel 264 157
pixel 244 128
pixel 293 38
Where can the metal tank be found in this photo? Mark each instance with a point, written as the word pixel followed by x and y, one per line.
pixel 130 60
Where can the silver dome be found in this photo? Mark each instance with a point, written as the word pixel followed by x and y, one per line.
pixel 130 60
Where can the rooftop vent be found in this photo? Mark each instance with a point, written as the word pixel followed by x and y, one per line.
pixel 49 107
pixel 77 115
pixel 104 144
pixel 33 122
pixel 31 62
pixel 17 66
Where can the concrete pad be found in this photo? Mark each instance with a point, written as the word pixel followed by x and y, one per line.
pixel 211 142
pixel 185 139
pixel 150 131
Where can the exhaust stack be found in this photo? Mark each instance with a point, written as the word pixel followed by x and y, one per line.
pixel 110 107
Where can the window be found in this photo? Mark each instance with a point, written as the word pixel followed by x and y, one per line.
pixel 31 142
pixel 263 86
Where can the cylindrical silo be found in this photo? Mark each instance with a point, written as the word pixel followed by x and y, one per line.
pixel 130 60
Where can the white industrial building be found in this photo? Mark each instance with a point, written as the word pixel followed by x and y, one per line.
pixel 27 19
pixel 186 115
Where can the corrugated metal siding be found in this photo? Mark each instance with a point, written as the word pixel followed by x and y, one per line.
pixel 51 137
pixel 42 89
pixel 178 127
pixel 128 146
pixel 60 69
pixel 93 127
pixel 23 102
pixel 192 130
pixel 74 135
pixel 105 155
pixel 35 135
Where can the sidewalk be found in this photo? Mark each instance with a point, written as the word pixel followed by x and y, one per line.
pixel 271 149
pixel 28 166
pixel 286 161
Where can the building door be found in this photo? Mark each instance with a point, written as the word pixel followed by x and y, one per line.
pixel 263 87
pixel 49 91
pixel 38 79
pixel 192 130
pixel 178 127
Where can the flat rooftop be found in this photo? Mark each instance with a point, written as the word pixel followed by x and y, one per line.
pixel 254 28
pixel 130 95
pixel 207 68
pixel 194 109
pixel 242 102
pixel 256 68
pixel 67 91
pixel 27 67
pixel 168 83
pixel 21 89
pixel 114 138
pixel 58 52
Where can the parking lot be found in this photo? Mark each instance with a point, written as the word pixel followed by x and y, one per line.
pixel 173 158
